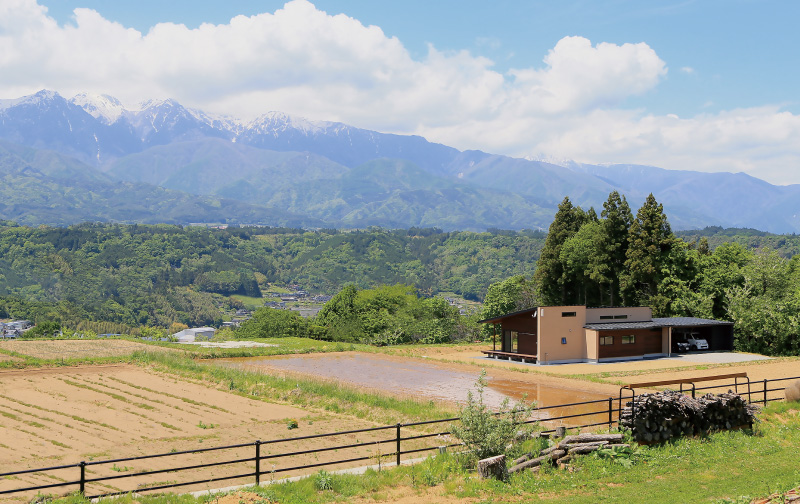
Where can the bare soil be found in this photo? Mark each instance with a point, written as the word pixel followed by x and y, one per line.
pixel 617 371
pixel 77 349
pixel 61 416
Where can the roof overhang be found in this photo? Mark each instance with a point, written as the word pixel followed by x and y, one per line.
pixel 499 319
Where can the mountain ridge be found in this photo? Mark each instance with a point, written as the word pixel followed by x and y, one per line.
pixel 315 161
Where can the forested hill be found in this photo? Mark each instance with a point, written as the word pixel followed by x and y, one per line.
pixel 160 274
pixel 786 245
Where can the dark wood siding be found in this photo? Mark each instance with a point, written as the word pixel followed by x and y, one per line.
pixel 527 343
pixel 646 342
pixel 525 325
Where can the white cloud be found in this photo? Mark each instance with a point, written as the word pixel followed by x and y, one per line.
pixel 687 70
pixel 304 61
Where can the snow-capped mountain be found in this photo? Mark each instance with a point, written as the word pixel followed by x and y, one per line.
pixel 315 166
pixel 102 107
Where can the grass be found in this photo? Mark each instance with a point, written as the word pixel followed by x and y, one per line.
pixel 249 302
pixel 722 468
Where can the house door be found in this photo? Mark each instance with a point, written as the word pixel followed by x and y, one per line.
pixel 510 341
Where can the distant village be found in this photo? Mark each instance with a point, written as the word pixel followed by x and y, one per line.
pixel 14 328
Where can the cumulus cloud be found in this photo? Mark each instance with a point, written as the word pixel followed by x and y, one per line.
pixel 301 60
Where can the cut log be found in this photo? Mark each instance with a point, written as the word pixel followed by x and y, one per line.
pixel 493 467
pixel 564 461
pixel 554 455
pixel 590 438
pixel 523 458
pixel 793 391
pixel 583 449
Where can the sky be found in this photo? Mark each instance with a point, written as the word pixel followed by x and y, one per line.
pixel 698 85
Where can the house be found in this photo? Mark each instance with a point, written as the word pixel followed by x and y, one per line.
pixel 195 334
pixel 562 334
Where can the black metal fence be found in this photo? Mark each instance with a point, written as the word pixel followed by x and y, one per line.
pixel 250 465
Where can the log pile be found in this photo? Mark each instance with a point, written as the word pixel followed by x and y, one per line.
pixel 665 415
pixel 564 451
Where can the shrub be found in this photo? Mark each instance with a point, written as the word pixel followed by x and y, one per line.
pixel 485 432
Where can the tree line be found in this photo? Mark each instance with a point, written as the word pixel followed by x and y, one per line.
pixel 618 259
pixel 109 277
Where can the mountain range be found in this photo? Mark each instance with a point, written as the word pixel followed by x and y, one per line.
pixel 90 158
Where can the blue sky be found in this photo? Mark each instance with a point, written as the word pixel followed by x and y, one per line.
pixel 707 85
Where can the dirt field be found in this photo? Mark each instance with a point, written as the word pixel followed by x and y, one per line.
pixel 62 416
pixel 73 349
pixel 618 372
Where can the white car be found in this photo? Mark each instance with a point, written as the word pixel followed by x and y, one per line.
pixel 696 342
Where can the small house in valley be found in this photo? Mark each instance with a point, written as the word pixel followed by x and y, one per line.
pixel 563 334
pixel 195 334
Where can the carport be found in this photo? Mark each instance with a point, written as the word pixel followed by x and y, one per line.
pixel 718 333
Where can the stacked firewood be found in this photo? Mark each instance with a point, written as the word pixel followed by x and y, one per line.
pixel 665 415
pixel 565 450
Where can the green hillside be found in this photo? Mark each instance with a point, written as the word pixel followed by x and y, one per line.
pixel 42 187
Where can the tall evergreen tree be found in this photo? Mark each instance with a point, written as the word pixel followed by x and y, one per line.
pixel 650 241
pixel 553 286
pixel 617 220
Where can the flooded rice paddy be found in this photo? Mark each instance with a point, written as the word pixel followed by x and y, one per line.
pixel 427 380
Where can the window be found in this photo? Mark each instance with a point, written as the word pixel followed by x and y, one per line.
pixel 563 341
pixel 514 341
pixel 569 314
pixel 620 317
pixel 613 317
pixel 606 317
pixel 629 340
pixel 606 340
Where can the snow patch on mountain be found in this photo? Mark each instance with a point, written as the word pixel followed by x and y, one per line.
pixel 42 97
pixel 102 107
pixel 274 122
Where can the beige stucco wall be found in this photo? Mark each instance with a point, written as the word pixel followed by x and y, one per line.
pixel 634 313
pixel 552 326
pixel 592 344
pixel 665 339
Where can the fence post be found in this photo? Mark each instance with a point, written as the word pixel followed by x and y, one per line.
pixel 83 478
pixel 258 462
pixel 765 391
pixel 610 410
pixel 398 444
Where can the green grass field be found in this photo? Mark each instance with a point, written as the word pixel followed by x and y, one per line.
pixel 726 467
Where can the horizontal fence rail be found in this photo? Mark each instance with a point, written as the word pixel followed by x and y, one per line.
pixel 758 392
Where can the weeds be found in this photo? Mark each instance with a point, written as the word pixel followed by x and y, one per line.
pixel 323 481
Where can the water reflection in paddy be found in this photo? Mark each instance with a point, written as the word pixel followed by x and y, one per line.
pixel 425 380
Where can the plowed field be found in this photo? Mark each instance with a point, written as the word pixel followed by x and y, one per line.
pixel 53 417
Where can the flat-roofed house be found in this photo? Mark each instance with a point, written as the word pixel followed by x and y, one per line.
pixel 195 334
pixel 562 334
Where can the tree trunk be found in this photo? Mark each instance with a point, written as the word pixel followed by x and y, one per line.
pixel 493 467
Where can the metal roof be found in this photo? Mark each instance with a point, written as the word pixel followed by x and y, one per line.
pixel 689 322
pixel 656 323
pixel 612 326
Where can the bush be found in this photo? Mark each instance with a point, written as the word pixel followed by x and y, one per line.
pixel 485 432
pixel 45 329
